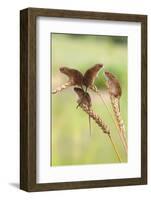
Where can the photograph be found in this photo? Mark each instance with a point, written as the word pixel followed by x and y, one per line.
pixel 83 93
pixel 89 99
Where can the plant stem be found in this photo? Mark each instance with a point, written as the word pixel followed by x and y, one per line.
pixel 62 87
pixel 115 149
pixel 101 124
pixel 123 139
pixel 90 125
pixel 115 106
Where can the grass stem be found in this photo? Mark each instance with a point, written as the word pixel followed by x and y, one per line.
pixel 115 149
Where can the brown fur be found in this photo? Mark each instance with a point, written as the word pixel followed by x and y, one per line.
pixel 74 75
pixel 91 74
pixel 113 85
pixel 84 97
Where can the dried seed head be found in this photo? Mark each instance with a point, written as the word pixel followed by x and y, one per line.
pixel 90 75
pixel 113 85
pixel 84 97
pixel 74 75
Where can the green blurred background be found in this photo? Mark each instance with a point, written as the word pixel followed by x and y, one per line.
pixel 70 139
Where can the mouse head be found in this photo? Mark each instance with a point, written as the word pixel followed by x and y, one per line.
pixel 90 75
pixel 109 75
pixel 84 97
pixel 74 75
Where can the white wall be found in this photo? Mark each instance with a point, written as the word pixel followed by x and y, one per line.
pixel 9 101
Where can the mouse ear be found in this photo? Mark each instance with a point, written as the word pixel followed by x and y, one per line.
pixel 90 75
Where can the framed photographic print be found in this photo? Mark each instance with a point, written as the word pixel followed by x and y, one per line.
pixel 83 99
